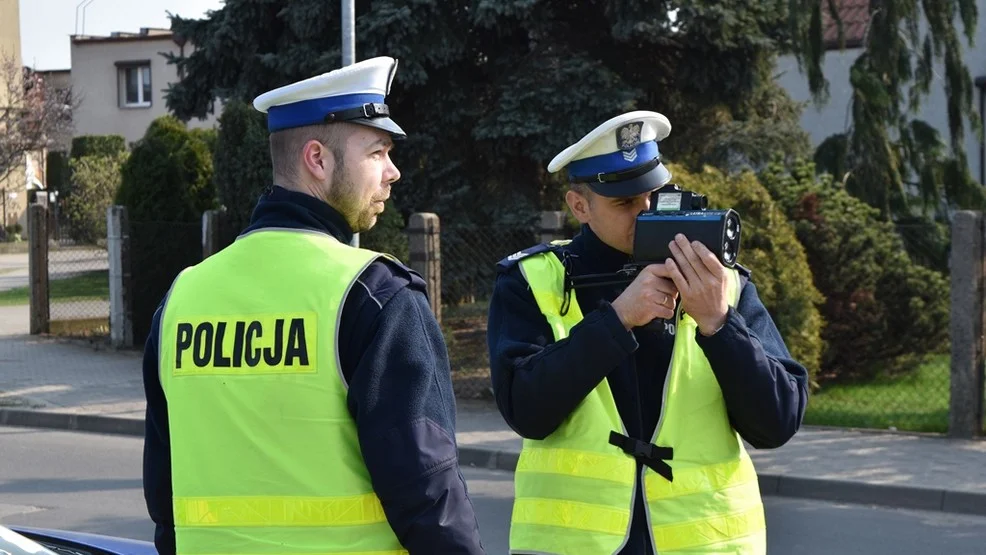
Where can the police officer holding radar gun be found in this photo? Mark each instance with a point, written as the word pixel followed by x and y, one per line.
pixel 634 359
pixel 299 398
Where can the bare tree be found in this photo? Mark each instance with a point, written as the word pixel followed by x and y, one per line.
pixel 33 114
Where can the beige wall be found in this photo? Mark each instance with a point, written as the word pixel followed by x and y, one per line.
pixel 10 46
pixel 10 25
pixel 10 39
pixel 97 85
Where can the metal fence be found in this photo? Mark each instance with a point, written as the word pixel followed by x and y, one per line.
pixel 78 273
pixel 469 256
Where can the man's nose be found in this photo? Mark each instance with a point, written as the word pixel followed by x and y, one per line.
pixel 392 174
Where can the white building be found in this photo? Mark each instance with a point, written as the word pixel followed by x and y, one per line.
pixel 835 116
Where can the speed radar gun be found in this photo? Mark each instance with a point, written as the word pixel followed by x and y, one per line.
pixel 673 211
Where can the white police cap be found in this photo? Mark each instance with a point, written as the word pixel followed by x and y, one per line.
pixel 355 94
pixel 619 158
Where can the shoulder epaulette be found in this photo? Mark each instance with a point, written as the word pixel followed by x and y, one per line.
pixel 508 262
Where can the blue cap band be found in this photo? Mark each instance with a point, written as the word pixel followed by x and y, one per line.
pixel 613 162
pixel 311 112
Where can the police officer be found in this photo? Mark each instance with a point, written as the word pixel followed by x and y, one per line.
pixel 633 435
pixel 298 389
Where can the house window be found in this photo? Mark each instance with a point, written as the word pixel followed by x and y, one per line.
pixel 135 85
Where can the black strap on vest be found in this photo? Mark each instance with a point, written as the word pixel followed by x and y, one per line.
pixel 647 453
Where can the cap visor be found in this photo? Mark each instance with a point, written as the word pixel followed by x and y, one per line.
pixel 385 124
pixel 632 187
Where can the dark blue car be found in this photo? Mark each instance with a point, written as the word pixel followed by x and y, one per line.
pixel 23 540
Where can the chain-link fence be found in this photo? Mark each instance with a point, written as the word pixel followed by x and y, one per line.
pixel 900 317
pixel 469 256
pixel 78 272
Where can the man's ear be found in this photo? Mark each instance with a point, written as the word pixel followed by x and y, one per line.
pixel 579 205
pixel 317 160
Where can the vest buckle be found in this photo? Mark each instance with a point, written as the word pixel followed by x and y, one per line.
pixel 647 453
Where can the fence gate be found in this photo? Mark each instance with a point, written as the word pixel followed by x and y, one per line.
pixel 69 270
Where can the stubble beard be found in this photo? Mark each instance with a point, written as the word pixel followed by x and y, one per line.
pixel 344 197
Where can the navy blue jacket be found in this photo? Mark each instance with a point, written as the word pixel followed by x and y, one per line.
pixel 538 382
pixel 394 358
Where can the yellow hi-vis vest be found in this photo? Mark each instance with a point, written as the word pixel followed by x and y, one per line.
pixel 574 490
pixel 264 453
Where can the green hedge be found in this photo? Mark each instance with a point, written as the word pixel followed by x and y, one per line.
pixel 168 176
pixel 883 310
pixel 98 145
pixel 771 250
pixel 167 185
pixel 242 160
pixel 95 180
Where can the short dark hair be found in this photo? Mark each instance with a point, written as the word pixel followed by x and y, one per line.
pixel 582 189
pixel 285 145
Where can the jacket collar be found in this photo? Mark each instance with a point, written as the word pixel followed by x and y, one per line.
pixel 279 207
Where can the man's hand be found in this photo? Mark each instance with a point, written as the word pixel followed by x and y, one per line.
pixel 651 295
pixel 701 279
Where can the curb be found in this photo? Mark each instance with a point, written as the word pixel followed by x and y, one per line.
pixel 72 422
pixel 841 491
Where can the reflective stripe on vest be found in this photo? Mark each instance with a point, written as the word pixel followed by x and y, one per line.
pixel 575 491
pixel 265 455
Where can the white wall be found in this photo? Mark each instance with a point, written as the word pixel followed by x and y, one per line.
pixel 834 117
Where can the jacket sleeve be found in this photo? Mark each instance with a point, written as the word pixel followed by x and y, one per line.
pixel 157 452
pixel 400 394
pixel 765 390
pixel 537 381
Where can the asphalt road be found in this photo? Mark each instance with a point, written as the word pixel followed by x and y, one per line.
pixel 91 483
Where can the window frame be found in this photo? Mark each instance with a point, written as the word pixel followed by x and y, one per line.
pixel 123 69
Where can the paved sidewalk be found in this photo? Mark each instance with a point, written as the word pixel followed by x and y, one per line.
pixel 54 384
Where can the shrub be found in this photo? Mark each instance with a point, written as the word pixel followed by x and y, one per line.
pixel 166 186
pixel 770 249
pixel 98 145
pixel 168 176
pixel 208 136
pixel 242 160
pixel 95 180
pixel 882 309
